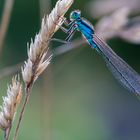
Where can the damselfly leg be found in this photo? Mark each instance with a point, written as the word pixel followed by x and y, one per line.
pixel 59 40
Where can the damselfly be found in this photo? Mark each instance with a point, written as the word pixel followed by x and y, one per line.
pixel 120 69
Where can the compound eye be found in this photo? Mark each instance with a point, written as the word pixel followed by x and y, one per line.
pixel 75 14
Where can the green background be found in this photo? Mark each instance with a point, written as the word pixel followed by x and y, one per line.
pixel 76 98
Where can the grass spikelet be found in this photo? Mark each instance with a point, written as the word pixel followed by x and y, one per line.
pixel 109 26
pixel 9 106
pixel 38 48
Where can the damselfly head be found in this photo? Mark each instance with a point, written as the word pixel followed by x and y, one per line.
pixel 75 15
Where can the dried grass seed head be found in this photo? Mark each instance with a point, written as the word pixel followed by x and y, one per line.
pixel 36 62
pixel 108 26
pixel 100 8
pixel 10 103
